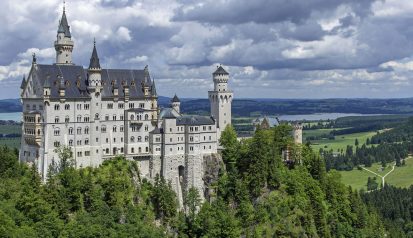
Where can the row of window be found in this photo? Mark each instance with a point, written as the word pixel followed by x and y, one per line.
pixel 67 119
pixel 121 105
pixel 139 139
pixel 34 107
pixel 67 107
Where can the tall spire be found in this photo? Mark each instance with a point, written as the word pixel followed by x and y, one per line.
pixel 153 89
pixel 94 59
pixel 63 24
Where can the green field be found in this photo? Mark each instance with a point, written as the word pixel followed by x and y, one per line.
pixel 340 141
pixel 400 177
pixel 10 142
pixel 10 129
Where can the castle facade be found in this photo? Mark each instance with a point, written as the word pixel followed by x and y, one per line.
pixel 102 113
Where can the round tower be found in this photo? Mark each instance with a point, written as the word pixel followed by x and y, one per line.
pixel 176 104
pixel 221 99
pixel 64 44
pixel 298 133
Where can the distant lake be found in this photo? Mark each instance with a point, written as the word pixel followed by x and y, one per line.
pixel 16 116
pixel 320 116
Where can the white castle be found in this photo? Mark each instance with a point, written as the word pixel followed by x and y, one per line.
pixel 102 113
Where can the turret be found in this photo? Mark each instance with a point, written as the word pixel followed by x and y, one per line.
pixel 145 83
pixel 63 44
pixel 94 70
pixel 176 104
pixel 298 133
pixel 220 77
pixel 46 89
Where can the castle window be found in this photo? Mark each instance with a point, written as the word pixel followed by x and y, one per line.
pixel 86 141
pixel 140 150
pixel 41 107
pixel 34 107
pixel 139 139
pixel 97 116
pixel 79 142
pixel 86 119
pixel 141 105
pixel 107 140
pixel 121 117
pixel 107 150
pixel 56 131
pixel 79 153
pixel 132 117
pixel 132 150
pixel 146 138
pixel 79 131
pixel 56 144
pixel 158 139
pixel 146 117
pixel 191 148
pixel 79 107
pixel 106 117
pixel 209 128
pixel 170 129
pixel 56 120
pixel 114 117
pixel 191 138
pixel 87 153
pixel 67 119
pixel 146 149
pixel 86 106
pixel 170 139
pixel 121 128
pixel 70 142
pixel 56 107
pixel 121 105
pixel 131 105
pixel 146 128
pixel 209 137
pixel 103 129
pixel 121 149
pixel 71 131
pixel 204 128
pixel 86 130
pixel 97 139
pixel 79 118
pixel 110 105
pixel 114 128
pixel 121 139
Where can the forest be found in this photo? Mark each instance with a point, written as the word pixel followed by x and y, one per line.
pixel 257 194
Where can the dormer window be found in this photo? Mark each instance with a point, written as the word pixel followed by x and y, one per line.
pixel 78 83
pixel 132 83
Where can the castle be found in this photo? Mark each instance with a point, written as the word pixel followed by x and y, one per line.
pixel 102 113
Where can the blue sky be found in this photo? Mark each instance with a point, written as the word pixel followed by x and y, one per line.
pixel 272 48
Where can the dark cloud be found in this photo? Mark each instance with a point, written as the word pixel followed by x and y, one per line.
pixel 263 11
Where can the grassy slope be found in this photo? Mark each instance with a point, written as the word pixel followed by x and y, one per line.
pixel 342 141
pixel 402 176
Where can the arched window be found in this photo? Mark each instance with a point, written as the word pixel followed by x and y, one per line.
pixel 146 117
pixel 132 150
pixel 140 150
pixel 139 139
pixel 56 120
pixel 86 130
pixel 146 138
pixel 132 117
pixel 79 130
pixel 97 116
pixel 56 131
pixel 67 107
pixel 114 128
pixel 103 129
pixel 70 142
pixel 67 119
pixel 79 118
pixel 132 139
pixel 71 131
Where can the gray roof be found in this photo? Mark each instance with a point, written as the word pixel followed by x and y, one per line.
pixel 168 113
pixel 195 120
pixel 175 99
pixel 64 26
pixel 272 121
pixel 94 59
pixel 138 110
pixel 220 70
pixel 153 88
pixel 76 79
pixel 23 84
pixel 156 131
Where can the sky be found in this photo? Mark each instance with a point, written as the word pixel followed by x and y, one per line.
pixel 271 48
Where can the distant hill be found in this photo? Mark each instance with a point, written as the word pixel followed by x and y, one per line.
pixel 10 105
pixel 255 107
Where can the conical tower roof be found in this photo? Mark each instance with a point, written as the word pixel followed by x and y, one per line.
pixel 220 70
pixel 153 89
pixel 94 59
pixel 175 99
pixel 64 25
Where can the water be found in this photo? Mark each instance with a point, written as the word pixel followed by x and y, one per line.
pixel 320 116
pixel 16 116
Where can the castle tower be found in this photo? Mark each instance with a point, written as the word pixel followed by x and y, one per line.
pixel 221 99
pixel 176 104
pixel 94 69
pixel 298 133
pixel 63 44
